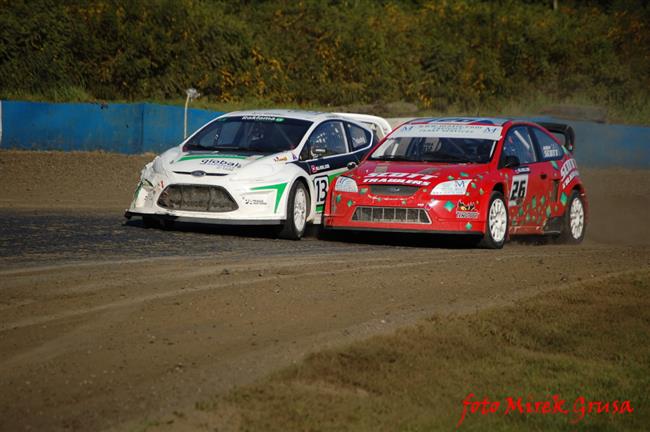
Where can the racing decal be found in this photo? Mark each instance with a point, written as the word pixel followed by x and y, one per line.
pixel 549 151
pixel 518 189
pixel 321 184
pixel 569 171
pixel 263 118
pixel 522 170
pixel 398 177
pixel 211 156
pixel 221 163
pixel 444 130
pixel 318 168
pixel 285 157
pixel 466 210
pixel 254 201
pixel 278 188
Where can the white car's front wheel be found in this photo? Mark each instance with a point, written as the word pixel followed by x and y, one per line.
pixel 297 212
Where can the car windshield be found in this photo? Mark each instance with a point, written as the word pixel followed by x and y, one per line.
pixel 257 134
pixel 435 149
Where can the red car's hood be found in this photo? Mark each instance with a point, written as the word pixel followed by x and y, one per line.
pixel 416 173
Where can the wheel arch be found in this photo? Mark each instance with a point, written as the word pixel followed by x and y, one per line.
pixel 310 190
pixel 579 187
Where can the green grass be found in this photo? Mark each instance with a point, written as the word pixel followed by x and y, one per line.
pixel 590 341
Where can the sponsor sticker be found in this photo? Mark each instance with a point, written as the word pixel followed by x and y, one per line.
pixel 549 151
pixel 466 210
pixel 317 168
pixel 221 163
pixel 416 179
pixel 255 201
pixel 569 171
pixel 433 130
pixel 263 118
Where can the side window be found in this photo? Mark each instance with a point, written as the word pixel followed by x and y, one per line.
pixel 518 143
pixel 549 149
pixel 360 138
pixel 327 139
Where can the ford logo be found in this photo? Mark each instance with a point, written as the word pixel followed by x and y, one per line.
pixel 395 189
pixel 198 173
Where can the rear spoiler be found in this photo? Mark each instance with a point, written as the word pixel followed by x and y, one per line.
pixel 566 134
pixel 379 126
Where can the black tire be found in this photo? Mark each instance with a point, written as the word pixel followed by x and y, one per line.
pixel 150 222
pixel 167 224
pixel 489 241
pixel 290 230
pixel 568 235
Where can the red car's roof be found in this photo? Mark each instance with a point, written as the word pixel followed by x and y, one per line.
pixel 474 121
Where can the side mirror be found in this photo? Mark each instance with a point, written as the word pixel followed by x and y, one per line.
pixel 511 162
pixel 351 165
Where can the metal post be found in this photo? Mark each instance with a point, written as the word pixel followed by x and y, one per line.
pixel 191 95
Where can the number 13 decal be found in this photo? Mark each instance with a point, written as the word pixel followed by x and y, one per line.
pixel 320 185
pixel 518 188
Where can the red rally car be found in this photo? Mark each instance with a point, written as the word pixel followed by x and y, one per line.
pixel 490 178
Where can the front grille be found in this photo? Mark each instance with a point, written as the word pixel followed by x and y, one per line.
pixel 395 190
pixel 196 198
pixel 391 215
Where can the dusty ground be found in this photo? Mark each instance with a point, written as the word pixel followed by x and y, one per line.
pixel 105 325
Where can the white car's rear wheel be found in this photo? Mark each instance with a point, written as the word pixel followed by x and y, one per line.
pixel 297 212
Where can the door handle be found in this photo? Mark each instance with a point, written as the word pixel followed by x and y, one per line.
pixel 543 176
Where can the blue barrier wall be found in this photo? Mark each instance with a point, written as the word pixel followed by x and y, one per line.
pixel 122 128
pixel 137 128
pixel 603 145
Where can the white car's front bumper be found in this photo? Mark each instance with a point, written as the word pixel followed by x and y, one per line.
pixel 256 203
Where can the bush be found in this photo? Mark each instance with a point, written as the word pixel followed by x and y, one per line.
pixel 467 54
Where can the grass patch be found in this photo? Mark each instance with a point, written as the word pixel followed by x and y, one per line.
pixel 589 341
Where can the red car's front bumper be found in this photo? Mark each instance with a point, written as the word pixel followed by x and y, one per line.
pixel 364 211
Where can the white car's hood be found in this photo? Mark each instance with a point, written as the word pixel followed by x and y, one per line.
pixel 211 163
pixel 227 163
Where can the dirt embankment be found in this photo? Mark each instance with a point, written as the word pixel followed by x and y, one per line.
pixel 68 181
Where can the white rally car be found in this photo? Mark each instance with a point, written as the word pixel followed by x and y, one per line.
pixel 255 168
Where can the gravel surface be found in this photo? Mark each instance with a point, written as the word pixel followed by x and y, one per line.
pixel 105 324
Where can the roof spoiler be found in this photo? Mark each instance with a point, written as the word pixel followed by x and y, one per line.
pixel 378 125
pixel 565 131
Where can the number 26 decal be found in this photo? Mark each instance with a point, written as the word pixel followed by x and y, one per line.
pixel 518 188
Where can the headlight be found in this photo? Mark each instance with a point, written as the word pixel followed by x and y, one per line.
pixel 345 184
pixel 451 187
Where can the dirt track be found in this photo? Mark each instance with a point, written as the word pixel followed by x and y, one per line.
pixel 104 325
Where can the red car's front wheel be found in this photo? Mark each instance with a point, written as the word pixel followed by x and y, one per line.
pixel 496 225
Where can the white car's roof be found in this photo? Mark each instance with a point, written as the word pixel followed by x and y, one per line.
pixel 296 114
pixel 377 124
